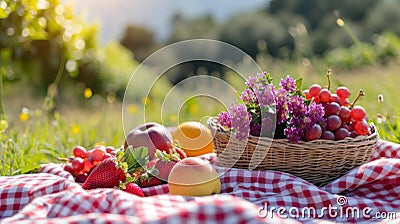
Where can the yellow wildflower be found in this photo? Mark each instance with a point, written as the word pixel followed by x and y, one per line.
pixel 146 100
pixel 76 129
pixel 132 108
pixel 87 93
pixel 23 116
pixel 172 118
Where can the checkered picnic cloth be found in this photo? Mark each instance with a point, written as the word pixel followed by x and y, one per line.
pixel 370 193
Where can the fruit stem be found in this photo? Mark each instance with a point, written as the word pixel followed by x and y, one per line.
pixel 360 94
pixel 328 75
pixel 63 159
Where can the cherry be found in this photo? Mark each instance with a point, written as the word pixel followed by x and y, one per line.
pixel 362 127
pixel 344 102
pixel 314 90
pixel 316 99
pixel 88 165
pixel 358 113
pixel 314 132
pixel 333 122
pixel 341 133
pixel 79 151
pixel 110 149
pixel 332 109
pixel 343 92
pixel 353 134
pixel 77 164
pixel 98 154
pixel 344 114
pixel 324 95
pixel 335 98
pixel 328 135
pixel 81 178
pixel 68 168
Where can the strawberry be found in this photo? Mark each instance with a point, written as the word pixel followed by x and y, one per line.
pixel 107 174
pixel 134 189
pixel 180 152
pixel 163 166
pixel 149 182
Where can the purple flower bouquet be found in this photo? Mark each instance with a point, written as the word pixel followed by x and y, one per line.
pixel 270 112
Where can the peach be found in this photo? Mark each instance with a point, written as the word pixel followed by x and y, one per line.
pixel 150 135
pixel 194 138
pixel 193 176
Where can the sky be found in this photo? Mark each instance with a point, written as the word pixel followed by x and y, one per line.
pixel 113 16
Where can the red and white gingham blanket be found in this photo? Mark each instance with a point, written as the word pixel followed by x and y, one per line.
pixel 370 193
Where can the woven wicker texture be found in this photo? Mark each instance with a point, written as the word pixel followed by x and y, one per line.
pixel 319 161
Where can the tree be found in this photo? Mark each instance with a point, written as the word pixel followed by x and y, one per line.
pixel 246 30
pixel 139 40
pixel 383 17
pixel 186 28
pixel 43 39
pixel 314 10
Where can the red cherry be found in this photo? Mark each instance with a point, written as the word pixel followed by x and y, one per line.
pixel 307 94
pixel 110 149
pixel 332 109
pixel 343 92
pixel 344 114
pixel 358 113
pixel 314 132
pixel 344 102
pixel 88 165
pixel 335 98
pixel 328 135
pixel 68 168
pixel 353 134
pixel 77 164
pixel 107 155
pixel 79 151
pixel 333 122
pixel 314 90
pixel 362 127
pixel 324 95
pixel 341 133
pixel 98 154
pixel 81 178
pixel 315 99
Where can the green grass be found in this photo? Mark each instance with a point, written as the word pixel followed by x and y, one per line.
pixel 42 138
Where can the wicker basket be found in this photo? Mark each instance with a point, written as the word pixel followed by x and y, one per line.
pixel 319 161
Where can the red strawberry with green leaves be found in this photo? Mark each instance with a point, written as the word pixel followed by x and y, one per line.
pixel 149 182
pixel 180 152
pixel 108 174
pixel 133 189
pixel 113 171
pixel 145 177
pixel 164 167
pixel 163 163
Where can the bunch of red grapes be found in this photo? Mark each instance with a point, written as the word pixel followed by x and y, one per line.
pixel 83 161
pixel 342 119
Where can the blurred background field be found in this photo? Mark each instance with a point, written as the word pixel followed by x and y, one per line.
pixel 65 65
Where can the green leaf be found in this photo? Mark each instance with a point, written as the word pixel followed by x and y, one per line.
pixel 153 171
pixel 135 158
pixel 269 78
pixel 299 83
